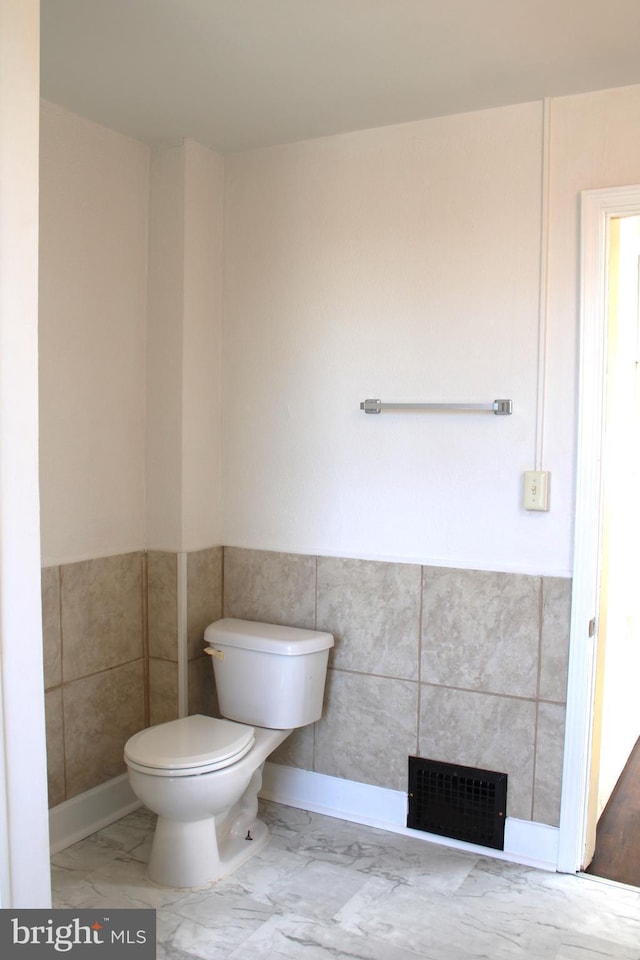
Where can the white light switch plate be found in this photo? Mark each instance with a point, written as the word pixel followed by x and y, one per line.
pixel 536 490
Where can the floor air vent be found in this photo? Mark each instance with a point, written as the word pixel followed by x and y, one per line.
pixel 463 803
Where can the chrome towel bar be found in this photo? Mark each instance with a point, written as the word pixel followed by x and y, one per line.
pixel 499 407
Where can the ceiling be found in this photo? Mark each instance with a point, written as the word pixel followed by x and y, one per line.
pixel 238 74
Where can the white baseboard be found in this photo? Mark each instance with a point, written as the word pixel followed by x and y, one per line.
pixel 534 844
pixel 526 842
pixel 81 816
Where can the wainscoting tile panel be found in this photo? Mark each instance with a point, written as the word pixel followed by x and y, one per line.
pixel 100 713
pixel 51 634
pixel 482 730
pixel 480 630
pixel 204 595
pixel 297 750
pixel 162 599
pixel 202 688
pixel 556 621
pixel 101 614
pixel 549 760
pixel 373 611
pixel 368 729
pixel 272 587
pixel 163 691
pixel 55 746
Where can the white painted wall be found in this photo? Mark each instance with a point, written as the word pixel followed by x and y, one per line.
pixel 400 263
pixel 595 142
pixel 24 838
pixel 93 266
pixel 164 349
pixel 129 362
pixel 404 263
pixel 183 348
pixel 201 392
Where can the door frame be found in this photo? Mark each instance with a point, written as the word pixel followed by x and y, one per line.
pixel 597 208
pixel 25 872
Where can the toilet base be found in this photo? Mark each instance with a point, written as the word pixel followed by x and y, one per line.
pixel 189 854
pixel 207 824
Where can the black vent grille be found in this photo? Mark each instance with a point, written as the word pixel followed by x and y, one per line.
pixel 459 802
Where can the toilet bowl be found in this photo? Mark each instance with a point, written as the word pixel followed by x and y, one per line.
pixel 202 775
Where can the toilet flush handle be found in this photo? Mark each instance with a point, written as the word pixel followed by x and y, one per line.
pixel 218 654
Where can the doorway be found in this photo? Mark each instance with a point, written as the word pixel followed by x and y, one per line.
pixel 616 721
pixel 603 712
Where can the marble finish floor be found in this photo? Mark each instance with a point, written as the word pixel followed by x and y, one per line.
pixel 324 888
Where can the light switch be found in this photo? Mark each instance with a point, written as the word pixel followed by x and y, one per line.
pixel 536 490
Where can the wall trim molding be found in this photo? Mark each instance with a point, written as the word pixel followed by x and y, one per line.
pixel 81 816
pixel 527 842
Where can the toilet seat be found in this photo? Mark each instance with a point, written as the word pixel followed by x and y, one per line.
pixel 188 747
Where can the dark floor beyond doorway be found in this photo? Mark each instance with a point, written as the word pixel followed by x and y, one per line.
pixel 618 833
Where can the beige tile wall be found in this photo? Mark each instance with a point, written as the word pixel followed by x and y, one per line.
pixel 204 605
pixel 111 656
pixel 203 578
pixel 463 666
pixel 95 668
pixel 162 600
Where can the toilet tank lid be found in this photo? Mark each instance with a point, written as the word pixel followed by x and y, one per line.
pixel 266 637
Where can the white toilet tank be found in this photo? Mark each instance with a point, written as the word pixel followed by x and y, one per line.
pixel 268 675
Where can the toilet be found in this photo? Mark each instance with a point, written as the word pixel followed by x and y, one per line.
pixel 202 775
